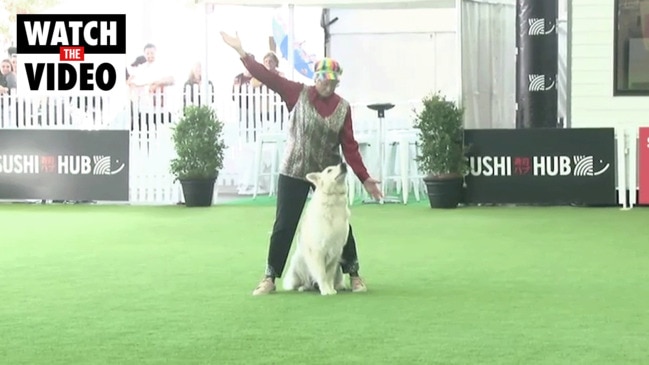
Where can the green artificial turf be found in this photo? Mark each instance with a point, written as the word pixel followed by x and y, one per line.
pixel 172 285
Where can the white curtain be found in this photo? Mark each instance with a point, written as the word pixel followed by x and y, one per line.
pixel 489 63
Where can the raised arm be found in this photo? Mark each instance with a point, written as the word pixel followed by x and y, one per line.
pixel 288 90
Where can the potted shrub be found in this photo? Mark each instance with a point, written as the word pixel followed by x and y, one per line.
pixel 441 150
pixel 199 149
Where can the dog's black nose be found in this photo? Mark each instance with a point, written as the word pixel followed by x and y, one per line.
pixel 343 167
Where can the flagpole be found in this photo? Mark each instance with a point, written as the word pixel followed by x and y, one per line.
pixel 291 41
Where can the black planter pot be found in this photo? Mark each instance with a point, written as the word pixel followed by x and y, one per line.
pixel 198 192
pixel 444 192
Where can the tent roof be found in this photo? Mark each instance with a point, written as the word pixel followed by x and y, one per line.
pixel 341 4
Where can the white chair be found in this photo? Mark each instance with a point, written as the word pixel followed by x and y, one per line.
pixel 400 165
pixel 277 140
pixel 415 175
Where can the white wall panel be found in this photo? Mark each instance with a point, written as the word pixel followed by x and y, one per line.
pixel 593 103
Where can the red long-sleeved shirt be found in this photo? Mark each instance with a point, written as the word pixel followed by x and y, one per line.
pixel 289 91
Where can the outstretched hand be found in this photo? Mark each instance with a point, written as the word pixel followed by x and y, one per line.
pixel 372 187
pixel 232 41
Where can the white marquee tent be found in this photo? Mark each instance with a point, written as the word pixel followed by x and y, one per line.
pixel 354 4
pixel 480 67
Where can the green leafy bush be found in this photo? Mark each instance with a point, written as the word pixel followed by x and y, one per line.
pixel 198 144
pixel 441 137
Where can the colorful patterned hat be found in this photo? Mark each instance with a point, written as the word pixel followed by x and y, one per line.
pixel 327 69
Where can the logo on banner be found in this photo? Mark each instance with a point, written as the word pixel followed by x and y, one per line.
pixel 104 166
pixel 580 166
pixel 585 166
pixel 76 54
pixel 538 83
pixel 61 165
pixel 538 27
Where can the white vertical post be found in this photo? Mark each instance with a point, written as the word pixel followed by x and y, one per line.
pixel 620 137
pixel 632 165
pixel 205 99
pixel 291 40
pixel 146 20
pixel 458 37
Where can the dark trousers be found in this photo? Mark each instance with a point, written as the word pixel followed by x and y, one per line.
pixel 291 197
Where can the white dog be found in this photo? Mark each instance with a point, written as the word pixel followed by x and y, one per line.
pixel 322 235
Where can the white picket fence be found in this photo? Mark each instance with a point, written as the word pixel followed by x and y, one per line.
pixel 247 113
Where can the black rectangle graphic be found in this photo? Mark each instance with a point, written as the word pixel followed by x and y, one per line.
pixel 44 45
pixel 64 165
pixel 541 166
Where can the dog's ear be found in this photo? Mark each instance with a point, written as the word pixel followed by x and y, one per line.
pixel 313 177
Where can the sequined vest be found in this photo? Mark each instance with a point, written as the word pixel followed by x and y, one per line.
pixel 313 141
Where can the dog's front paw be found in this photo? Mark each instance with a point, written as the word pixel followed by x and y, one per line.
pixel 330 291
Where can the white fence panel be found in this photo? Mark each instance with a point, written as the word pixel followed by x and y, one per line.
pixel 246 112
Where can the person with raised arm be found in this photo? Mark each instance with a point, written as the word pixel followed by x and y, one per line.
pixel 321 123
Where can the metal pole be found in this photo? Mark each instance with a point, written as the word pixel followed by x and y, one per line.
pixel 206 99
pixel 291 40
pixel 458 38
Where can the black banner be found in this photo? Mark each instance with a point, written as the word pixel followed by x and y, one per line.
pixel 536 63
pixel 541 166
pixel 64 165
